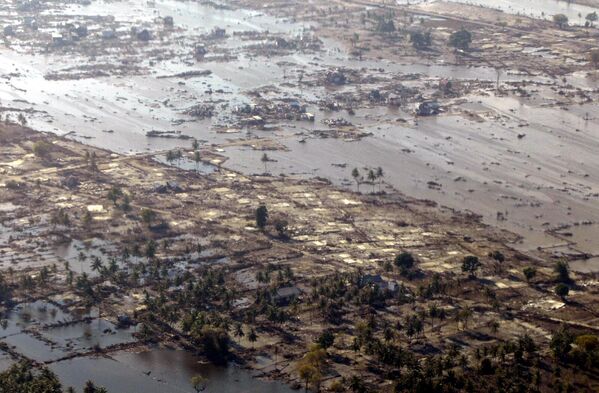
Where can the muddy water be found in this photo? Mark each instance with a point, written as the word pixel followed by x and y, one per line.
pixel 100 111
pixel 85 335
pixel 543 180
pixel 540 9
pixel 154 370
pixel 80 255
pixel 590 265
pixel 34 348
pixel 549 176
pixel 159 371
pixel 25 315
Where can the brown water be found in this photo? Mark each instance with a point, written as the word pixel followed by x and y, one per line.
pixel 544 180
pixel 158 371
pixel 540 9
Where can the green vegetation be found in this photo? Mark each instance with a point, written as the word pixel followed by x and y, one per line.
pixel 326 339
pixel 114 194
pixel 405 262
pixel 529 272
pixel 355 173
pixel 148 216
pixel 21 377
pixel 90 387
pixel 562 270
pixel 199 383
pixel 282 228
pixel 385 25
pixel 562 290
pixel 173 155
pixel 460 39
pixel 591 18
pixel 261 217
pixel 470 264
pixel 421 40
pixel 311 366
pixel 42 149
pixel 24 378
pixel 265 161
pixel 560 20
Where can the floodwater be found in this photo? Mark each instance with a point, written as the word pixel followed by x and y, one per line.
pixel 52 334
pixel 157 371
pixel 539 9
pixel 544 180
pixel 590 265
pixel 33 348
pixel 22 316
pixel 86 335
pixel 80 255
pixel 547 178
pixel 484 168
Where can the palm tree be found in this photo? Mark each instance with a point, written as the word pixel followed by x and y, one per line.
pixel 238 332
pixel 371 178
pixel 433 312
pixel 356 385
pixel 82 257
pixel 114 193
pixel 197 159
pixel 355 347
pixel 11 273
pixel 356 175
pixel 252 337
pixel 465 315
pixel 96 264
pixel 113 267
pixel 265 160
pixel 148 216
pixel 380 175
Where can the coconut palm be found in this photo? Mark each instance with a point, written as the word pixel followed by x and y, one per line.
pixel 197 159
pixel 355 173
pixel 96 264
pixel 371 178
pixel 380 174
pixel 265 160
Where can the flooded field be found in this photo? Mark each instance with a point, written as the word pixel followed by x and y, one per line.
pixel 543 9
pixel 160 370
pixel 497 172
pixel 42 332
pixel 270 95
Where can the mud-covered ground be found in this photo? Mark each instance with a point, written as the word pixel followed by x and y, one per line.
pixel 319 90
pixel 62 232
pixel 521 150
